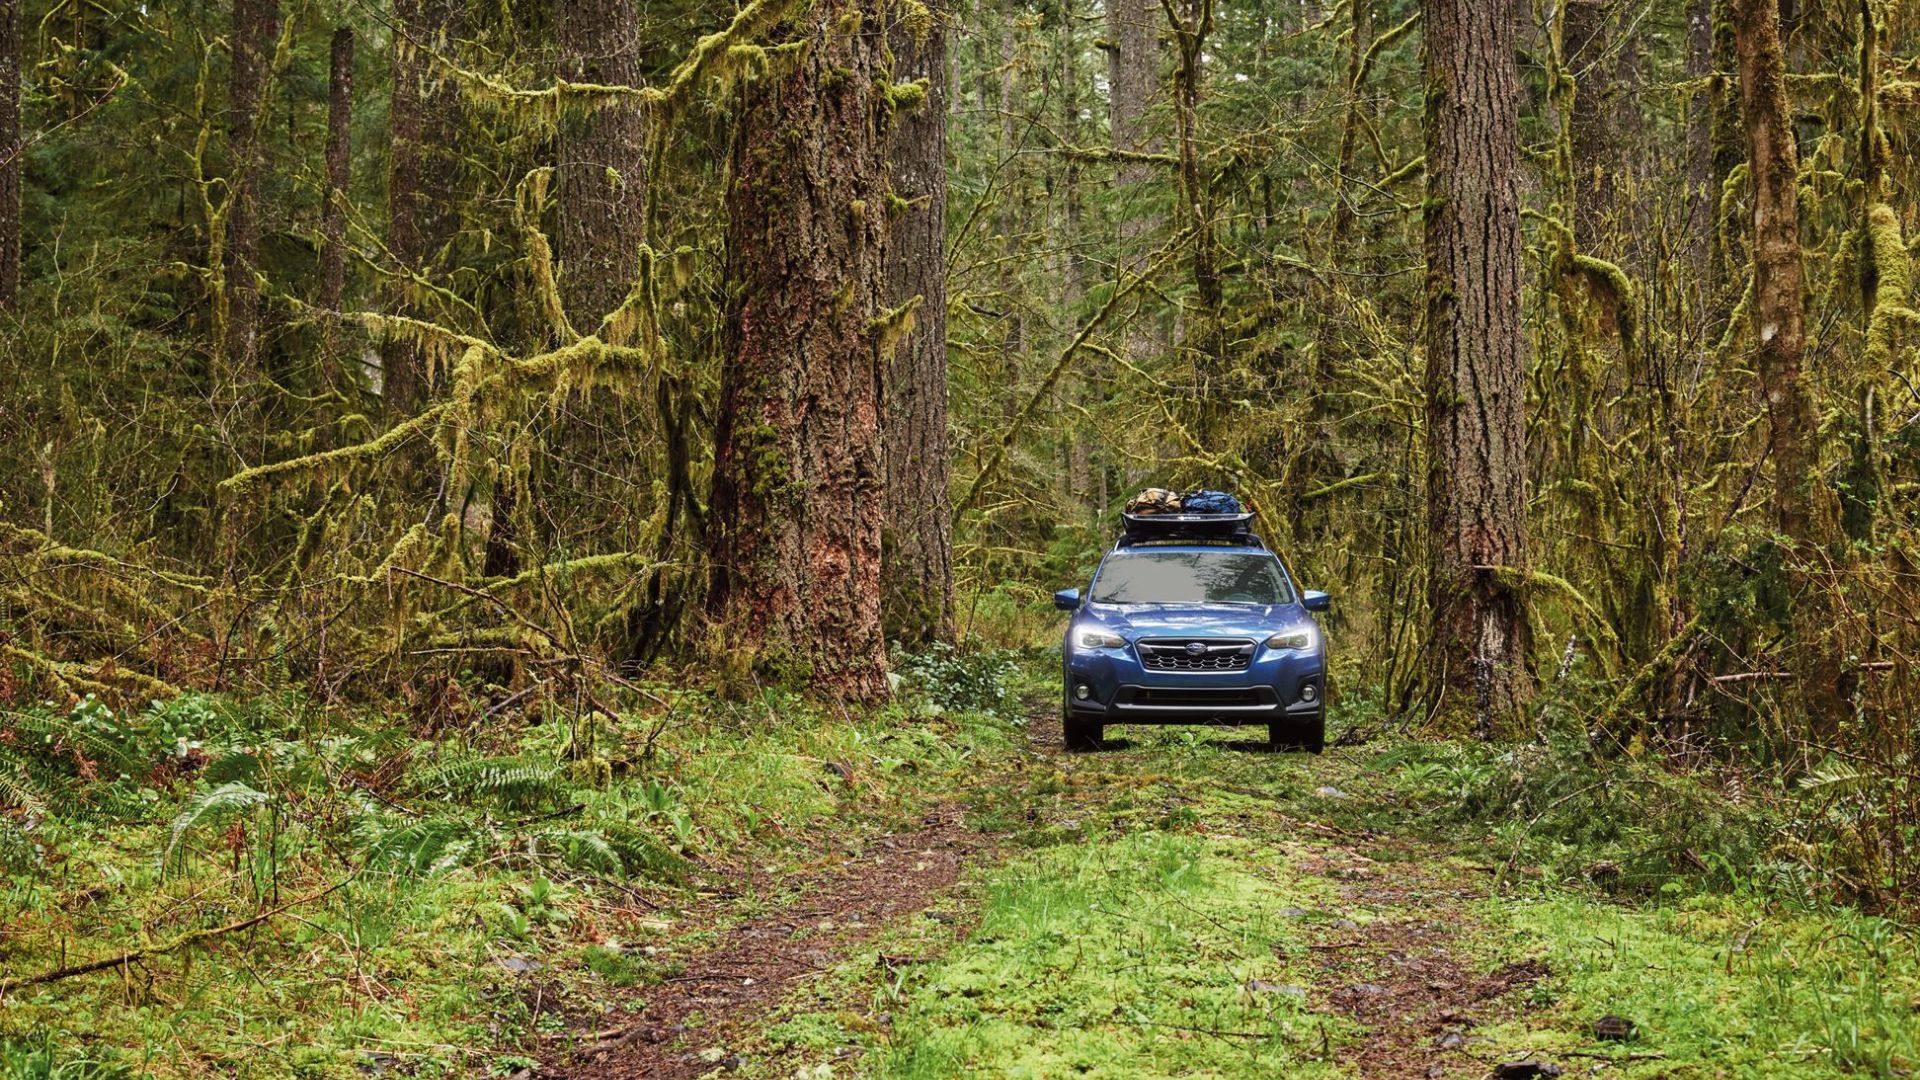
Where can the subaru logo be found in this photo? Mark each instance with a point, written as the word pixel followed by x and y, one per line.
pixel 1195 648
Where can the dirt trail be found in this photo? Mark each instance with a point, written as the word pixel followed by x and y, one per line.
pixel 1406 974
pixel 688 1025
pixel 1403 969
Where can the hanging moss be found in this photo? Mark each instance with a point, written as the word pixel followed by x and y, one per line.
pixel 890 328
pixel 1887 278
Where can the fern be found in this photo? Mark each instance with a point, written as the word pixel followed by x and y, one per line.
pixel 18 791
pixel 207 809
pixel 422 848
pixel 512 782
pixel 64 738
pixel 1836 779
pixel 614 849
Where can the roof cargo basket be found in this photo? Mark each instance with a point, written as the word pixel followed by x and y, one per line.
pixel 1165 528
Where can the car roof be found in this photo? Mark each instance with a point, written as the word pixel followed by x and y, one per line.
pixel 1181 548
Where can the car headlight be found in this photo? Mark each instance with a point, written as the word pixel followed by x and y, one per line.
pixel 1100 639
pixel 1301 639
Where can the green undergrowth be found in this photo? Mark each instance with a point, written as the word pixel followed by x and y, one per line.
pixel 1157 922
pixel 1716 986
pixel 444 893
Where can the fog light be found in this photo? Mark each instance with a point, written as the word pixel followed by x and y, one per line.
pixel 1082 691
pixel 1309 693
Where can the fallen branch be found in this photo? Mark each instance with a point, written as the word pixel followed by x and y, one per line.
pixel 188 938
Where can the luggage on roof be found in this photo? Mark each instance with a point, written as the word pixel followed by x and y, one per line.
pixel 1160 514
pixel 1209 502
pixel 1154 501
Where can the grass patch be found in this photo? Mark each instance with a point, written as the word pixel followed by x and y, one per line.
pixel 1719 987
pixel 490 874
pixel 1134 954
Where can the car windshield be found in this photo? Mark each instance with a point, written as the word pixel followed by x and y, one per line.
pixel 1191 577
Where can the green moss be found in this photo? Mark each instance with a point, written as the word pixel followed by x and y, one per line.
pixel 1103 958
pixel 904 97
pixel 1887 279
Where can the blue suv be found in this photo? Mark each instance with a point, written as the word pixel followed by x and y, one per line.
pixel 1191 619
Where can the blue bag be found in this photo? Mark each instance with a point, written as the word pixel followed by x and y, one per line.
pixel 1209 502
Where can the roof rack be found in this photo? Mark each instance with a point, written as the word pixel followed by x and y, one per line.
pixel 1186 528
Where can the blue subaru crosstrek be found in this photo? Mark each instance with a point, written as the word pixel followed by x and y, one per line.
pixel 1191 619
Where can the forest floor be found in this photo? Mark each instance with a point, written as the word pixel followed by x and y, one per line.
pixel 1186 903
pixel 921 891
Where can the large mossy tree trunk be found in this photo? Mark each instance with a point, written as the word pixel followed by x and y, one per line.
pixel 603 162
pixel 794 530
pixel 256 23
pixel 12 150
pixel 423 174
pixel 1477 646
pixel 1804 509
pixel 917 558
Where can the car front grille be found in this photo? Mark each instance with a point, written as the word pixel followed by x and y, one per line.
pixel 1196 698
pixel 1195 654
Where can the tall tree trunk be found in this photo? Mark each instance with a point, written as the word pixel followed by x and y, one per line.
pixel 333 222
pixel 1701 196
pixel 603 166
pixel 1586 43
pixel 1803 505
pixel 12 151
pixel 256 23
pixel 1327 346
pixel 1009 215
pixel 917 559
pixel 1191 28
pixel 1728 143
pixel 1133 72
pixel 1476 378
pixel 1084 387
pixel 423 172
pixel 796 515
pixel 1133 56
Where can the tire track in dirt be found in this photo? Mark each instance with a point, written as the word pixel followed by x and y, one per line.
pixel 689 1024
pixel 1406 975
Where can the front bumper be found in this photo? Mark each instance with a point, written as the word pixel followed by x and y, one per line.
pixel 1122 691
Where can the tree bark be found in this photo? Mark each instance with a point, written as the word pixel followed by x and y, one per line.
pixel 333 222
pixel 1586 40
pixel 1133 73
pixel 1803 505
pixel 1328 347
pixel 1701 195
pixel 12 151
pixel 603 164
pixel 1476 380
pixel 917 557
pixel 256 23
pixel 1728 150
pixel 1133 55
pixel 796 515
pixel 1084 387
pixel 1009 214
pixel 423 172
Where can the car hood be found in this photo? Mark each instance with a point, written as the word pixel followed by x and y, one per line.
pixel 1179 620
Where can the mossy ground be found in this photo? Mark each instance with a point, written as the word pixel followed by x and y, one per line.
pixel 1181 903
pixel 467 965
pixel 1184 906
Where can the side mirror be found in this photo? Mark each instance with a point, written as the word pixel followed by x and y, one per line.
pixel 1315 600
pixel 1067 599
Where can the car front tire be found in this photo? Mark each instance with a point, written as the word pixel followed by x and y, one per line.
pixel 1308 735
pixel 1080 735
